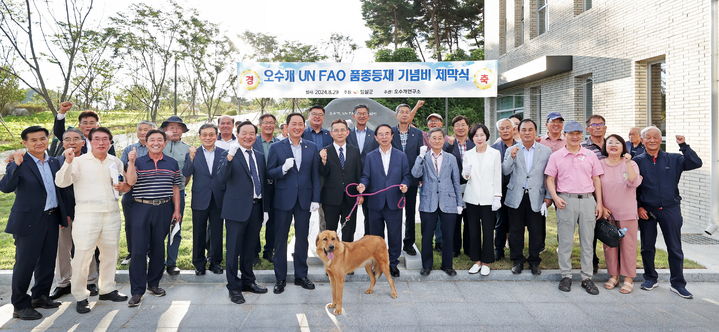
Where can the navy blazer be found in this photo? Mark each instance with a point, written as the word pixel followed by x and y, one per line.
pixel 370 142
pixel 203 186
pixel 374 179
pixel 303 184
pixel 25 180
pixel 414 142
pixel 240 190
pixel 326 138
pixel 454 150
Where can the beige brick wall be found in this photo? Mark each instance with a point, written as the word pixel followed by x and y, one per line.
pixel 613 42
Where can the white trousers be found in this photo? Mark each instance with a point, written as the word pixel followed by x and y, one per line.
pixel 91 230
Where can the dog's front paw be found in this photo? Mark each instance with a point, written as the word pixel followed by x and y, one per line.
pixel 394 295
pixel 338 311
pixel 331 305
pixel 369 291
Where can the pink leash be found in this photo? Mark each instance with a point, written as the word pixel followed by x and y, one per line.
pixel 400 204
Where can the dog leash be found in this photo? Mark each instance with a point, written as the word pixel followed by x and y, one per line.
pixel 400 204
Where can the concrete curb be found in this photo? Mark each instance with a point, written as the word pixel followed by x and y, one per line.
pixel 317 275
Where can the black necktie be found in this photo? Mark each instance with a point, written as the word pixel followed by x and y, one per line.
pixel 342 158
pixel 253 172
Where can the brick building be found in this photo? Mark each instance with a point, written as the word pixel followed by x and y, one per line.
pixel 634 62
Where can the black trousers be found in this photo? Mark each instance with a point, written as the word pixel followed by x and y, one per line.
pixel 501 228
pixel 446 222
pixel 392 219
pixel 522 217
pixel 282 229
pixel 201 230
pixel 335 215
pixel 126 208
pixel 149 225
pixel 242 237
pixel 670 220
pixel 409 215
pixel 461 241
pixel 35 255
pixel 481 220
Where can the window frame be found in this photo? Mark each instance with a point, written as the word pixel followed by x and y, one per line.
pixel 542 7
pixel 650 100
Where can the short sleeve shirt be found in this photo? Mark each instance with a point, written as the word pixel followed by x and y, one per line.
pixel 155 180
pixel 574 171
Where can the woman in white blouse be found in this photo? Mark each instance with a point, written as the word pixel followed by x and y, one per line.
pixel 482 167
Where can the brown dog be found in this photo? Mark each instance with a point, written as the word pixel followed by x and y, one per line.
pixel 341 258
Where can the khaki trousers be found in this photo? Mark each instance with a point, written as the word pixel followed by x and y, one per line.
pixel 578 211
pixel 63 270
pixel 91 230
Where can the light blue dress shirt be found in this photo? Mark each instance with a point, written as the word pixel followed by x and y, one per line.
pixel 297 153
pixel 47 181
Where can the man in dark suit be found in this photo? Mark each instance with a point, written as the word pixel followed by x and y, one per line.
pixel 457 145
pixel 340 166
pixel 86 121
pixel 34 219
pixel 294 166
pixel 382 168
pixel 264 140
pixel 363 138
pixel 202 165
pixel 244 209
pixel 408 139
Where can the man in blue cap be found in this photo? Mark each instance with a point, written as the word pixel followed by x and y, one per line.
pixel 176 149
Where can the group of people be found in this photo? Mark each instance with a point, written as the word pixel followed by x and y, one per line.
pixel 66 220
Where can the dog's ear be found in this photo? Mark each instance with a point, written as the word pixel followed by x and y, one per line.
pixel 317 240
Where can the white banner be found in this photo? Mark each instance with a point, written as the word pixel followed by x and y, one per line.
pixel 468 79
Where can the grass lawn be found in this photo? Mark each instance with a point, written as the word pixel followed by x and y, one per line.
pixel 184 261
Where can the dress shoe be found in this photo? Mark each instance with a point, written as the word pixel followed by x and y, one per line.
pixel 279 286
pixel 44 302
pixel 59 292
pixel 126 260
pixel 254 288
pixel 267 256
pixel 424 272
pixel 517 268
pixel 157 291
pixel 305 283
pixel 535 269
pixel 199 272
pixel 113 296
pixel 27 314
pixel 394 271
pixel 236 297
pixel 450 271
pixel 173 270
pixel 134 301
pixel 565 285
pixel 82 307
pixel 410 250
pixel 93 289
pixel 216 269
pixel 590 287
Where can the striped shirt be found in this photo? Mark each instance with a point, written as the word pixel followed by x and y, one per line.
pixel 155 181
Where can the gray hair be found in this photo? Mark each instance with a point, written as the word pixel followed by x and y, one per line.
pixel 72 130
pixel 396 109
pixel 502 120
pixel 145 122
pixel 646 130
pixel 434 130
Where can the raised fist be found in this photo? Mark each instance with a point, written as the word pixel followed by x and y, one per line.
pixel 193 151
pixel 132 156
pixel 17 157
pixel 64 107
pixel 419 104
pixel 323 156
pixel 450 140
pixel 69 155
pixel 514 151
pixel 422 150
pixel 681 139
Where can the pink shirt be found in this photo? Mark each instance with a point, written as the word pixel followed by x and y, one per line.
pixel 619 195
pixel 573 172
pixel 555 145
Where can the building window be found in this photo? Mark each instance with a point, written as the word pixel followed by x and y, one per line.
pixel 519 22
pixel 509 105
pixel 588 107
pixel 587 4
pixel 657 94
pixel 541 16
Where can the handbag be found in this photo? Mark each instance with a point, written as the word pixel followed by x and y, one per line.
pixel 607 232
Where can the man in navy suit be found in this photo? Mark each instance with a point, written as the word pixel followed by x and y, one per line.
pixel 206 200
pixel 34 219
pixel 294 166
pixel 385 167
pixel 264 140
pixel 244 208
pixel 408 139
pixel 363 138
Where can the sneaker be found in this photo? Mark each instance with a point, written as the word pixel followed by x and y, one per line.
pixel 648 285
pixel 683 292
pixel 590 287
pixel 484 270
pixel 565 285
pixel 474 269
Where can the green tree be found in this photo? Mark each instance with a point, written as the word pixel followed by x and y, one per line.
pixel 96 71
pixel 340 47
pixel 10 91
pixel 391 22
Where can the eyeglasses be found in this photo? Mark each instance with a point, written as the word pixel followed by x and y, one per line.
pixel 267 123
pixel 597 125
pixel 317 114
pixel 72 139
pixel 103 140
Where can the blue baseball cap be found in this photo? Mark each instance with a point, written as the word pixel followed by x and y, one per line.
pixel 573 126
pixel 554 115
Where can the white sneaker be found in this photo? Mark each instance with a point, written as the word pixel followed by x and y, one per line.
pixel 484 270
pixel 474 269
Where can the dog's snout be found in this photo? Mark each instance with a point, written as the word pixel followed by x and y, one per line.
pixel 332 247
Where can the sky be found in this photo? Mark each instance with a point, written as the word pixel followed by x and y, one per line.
pixel 308 21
